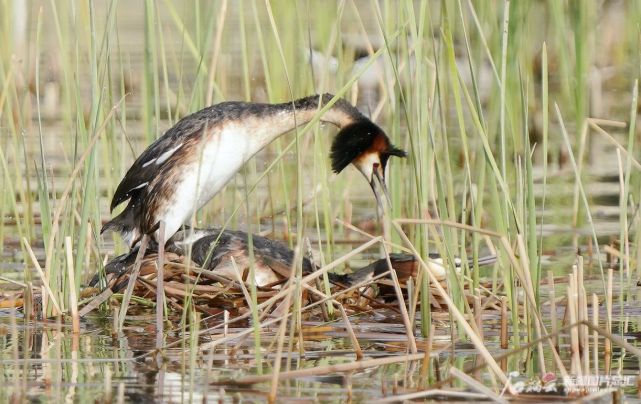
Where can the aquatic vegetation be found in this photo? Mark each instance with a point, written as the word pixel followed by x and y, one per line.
pixel 519 120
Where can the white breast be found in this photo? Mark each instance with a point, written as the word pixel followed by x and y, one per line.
pixel 222 158
pixel 223 154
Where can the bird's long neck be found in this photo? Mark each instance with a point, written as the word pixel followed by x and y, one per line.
pixel 273 120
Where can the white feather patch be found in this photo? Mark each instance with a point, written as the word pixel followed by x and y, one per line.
pixel 144 184
pixel 165 156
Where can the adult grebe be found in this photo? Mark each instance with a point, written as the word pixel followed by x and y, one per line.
pixel 213 249
pixel 183 169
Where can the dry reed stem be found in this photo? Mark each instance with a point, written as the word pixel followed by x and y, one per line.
pixel 45 280
pixel 324 312
pixel 608 314
pixel 338 368
pixel 477 386
pixel 525 262
pixel 350 331
pixel 13 281
pixel 595 335
pixel 73 301
pixel 478 314
pixel 401 303
pixel 239 277
pixel 463 395
pixel 615 338
pixel 478 343
pixel 594 124
pixel 160 290
pixel 370 236
pixel 529 345
pixel 553 315
pixel 131 282
pixel 574 332
pixel 583 316
pixel 425 366
pixel 280 338
pixel 504 331
pixel 348 325
pixel 95 302
pixel 608 249
pixel 448 223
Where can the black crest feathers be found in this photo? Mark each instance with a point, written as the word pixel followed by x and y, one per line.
pixel 358 138
pixel 352 141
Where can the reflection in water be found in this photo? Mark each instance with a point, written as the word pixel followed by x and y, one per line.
pixel 56 365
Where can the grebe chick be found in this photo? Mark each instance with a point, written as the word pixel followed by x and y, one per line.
pixel 183 169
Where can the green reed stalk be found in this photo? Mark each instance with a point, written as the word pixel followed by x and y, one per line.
pixel 625 196
pixel 150 97
pixel 476 193
pixel 269 88
pixel 545 117
pixel 503 87
pixel 43 187
pixel 54 276
pixel 162 54
pixel 89 190
pixel 450 238
pixel 582 193
pixel 529 216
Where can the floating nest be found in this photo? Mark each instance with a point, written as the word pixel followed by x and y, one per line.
pixel 211 271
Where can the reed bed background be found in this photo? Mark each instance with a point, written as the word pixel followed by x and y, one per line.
pixel 511 112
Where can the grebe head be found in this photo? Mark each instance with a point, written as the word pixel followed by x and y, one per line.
pixel 365 145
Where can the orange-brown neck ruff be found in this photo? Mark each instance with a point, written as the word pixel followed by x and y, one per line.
pixel 192 161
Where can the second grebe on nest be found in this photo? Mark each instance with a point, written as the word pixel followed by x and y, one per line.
pixel 213 250
pixel 183 169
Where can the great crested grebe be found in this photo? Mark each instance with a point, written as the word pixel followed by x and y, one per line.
pixel 183 169
pixel 213 249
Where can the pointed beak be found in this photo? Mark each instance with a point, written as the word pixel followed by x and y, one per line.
pixel 380 192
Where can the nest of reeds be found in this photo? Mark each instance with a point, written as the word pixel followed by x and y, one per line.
pixel 229 280
pixel 212 292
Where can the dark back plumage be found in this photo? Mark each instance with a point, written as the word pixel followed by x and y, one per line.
pixel 214 248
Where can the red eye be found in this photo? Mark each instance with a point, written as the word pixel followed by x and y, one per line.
pixel 376 165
